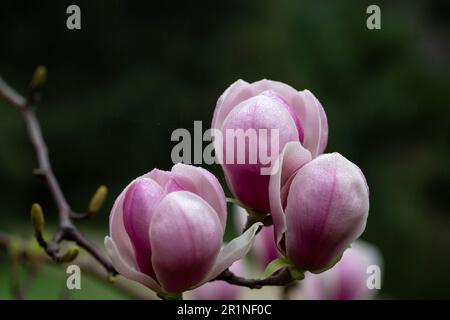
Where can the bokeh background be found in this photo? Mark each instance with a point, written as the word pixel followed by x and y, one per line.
pixel 138 70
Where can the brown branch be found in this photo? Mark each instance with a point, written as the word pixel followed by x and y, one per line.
pixel 67 230
pixel 281 278
pixel 11 96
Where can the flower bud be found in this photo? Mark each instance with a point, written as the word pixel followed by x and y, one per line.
pixel 167 227
pixel 39 77
pixel 97 199
pixel 37 219
pixel 70 255
pixel 249 116
pixel 318 207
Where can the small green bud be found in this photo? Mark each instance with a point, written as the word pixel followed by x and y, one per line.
pixel 97 199
pixel 39 77
pixel 37 218
pixel 70 255
pixel 111 279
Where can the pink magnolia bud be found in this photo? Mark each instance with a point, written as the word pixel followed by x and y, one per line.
pixel 221 290
pixel 264 249
pixel 347 280
pixel 166 230
pixel 318 207
pixel 263 106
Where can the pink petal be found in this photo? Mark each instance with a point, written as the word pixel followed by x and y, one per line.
pixel 323 128
pixel 244 177
pixel 307 108
pixel 292 158
pixel 118 232
pixel 305 105
pixel 232 96
pixel 241 90
pixel 278 98
pixel 185 236
pixel 204 184
pixel 160 176
pixel 141 200
pixel 239 217
pixel 117 227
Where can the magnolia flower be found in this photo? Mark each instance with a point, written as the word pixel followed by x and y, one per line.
pixel 166 230
pixel 221 290
pixel 270 105
pixel 318 207
pixel 347 280
pixel 264 249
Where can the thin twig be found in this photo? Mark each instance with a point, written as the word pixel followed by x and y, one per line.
pixel 67 230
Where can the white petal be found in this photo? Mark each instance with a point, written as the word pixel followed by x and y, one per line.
pixel 128 271
pixel 235 250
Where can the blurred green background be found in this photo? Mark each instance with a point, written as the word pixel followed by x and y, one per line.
pixel 136 71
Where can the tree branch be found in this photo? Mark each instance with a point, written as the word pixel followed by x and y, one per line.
pixel 67 230
pixel 279 279
pixel 11 96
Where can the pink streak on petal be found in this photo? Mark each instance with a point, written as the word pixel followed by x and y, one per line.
pixel 141 200
pixel 277 97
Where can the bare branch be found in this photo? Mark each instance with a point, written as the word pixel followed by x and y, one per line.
pixel 66 230
pixel 11 96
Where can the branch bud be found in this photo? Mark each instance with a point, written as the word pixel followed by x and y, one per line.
pixel 111 279
pixel 39 78
pixel 37 218
pixel 97 200
pixel 70 255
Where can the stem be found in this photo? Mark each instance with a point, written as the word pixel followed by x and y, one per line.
pixel 280 279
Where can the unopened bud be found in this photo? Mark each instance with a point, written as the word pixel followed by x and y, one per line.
pixel 111 279
pixel 70 255
pixel 97 199
pixel 37 218
pixel 39 77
